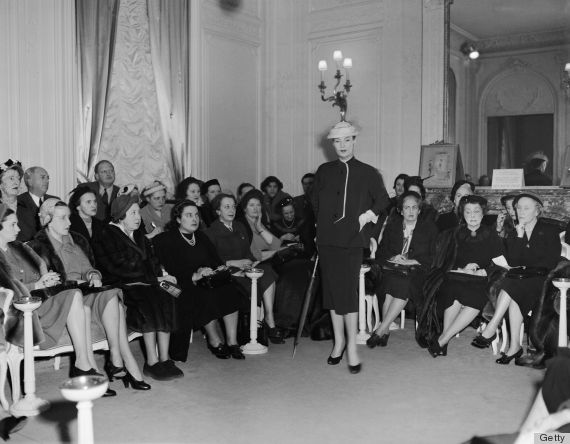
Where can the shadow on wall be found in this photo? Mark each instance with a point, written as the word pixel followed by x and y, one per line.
pixel 230 5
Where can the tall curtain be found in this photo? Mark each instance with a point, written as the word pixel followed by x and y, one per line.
pixel 507 142
pixel 96 30
pixel 170 52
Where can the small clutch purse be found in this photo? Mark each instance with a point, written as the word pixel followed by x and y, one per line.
pixel 526 272
pixel 221 277
pixel 172 289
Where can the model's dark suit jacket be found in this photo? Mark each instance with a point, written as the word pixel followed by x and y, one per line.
pixel 28 218
pixel 103 211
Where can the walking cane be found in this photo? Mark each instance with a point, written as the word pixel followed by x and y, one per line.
pixel 306 303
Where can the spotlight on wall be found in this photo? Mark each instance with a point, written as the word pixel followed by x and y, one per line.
pixel 470 50
pixel 566 80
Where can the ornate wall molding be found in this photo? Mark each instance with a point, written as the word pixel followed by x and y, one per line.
pixel 524 41
pixel 362 15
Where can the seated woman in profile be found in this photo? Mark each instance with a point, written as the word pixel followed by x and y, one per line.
pixel 273 194
pixel 70 255
pixel 468 251
pixel 536 247
pixel 126 259
pixel 232 243
pixel 451 219
pixel 11 174
pixel 24 272
pixel 189 255
pixel 83 207
pixel 407 241
pixel 505 224
pixel 156 213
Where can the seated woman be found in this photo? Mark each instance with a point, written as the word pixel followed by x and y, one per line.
pixel 463 292
pixel 398 189
pixel 190 189
pixel 505 224
pixel 11 173
pixel 536 247
pixel 232 243
pixel 156 213
pixel 415 183
pixel 189 255
pixel 69 255
pixel 273 194
pixel 242 190
pixel 407 241
pixel 210 189
pixel 451 219
pixel 24 272
pixel 83 208
pixel 126 259
pixel 291 229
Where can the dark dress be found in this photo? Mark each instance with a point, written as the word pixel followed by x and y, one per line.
pixel 342 192
pixel 542 250
pixel 235 245
pixel 470 290
pixel 78 226
pixel 421 249
pixel 196 306
pixel 131 265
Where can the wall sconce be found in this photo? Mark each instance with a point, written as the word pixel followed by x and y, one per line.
pixel 338 96
pixel 566 80
pixel 470 50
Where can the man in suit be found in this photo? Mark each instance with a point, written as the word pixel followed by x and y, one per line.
pixel 37 183
pixel 104 188
pixel 536 167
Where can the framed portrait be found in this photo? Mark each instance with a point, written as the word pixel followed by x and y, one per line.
pixel 440 165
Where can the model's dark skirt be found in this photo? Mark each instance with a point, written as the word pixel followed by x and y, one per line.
pixel 469 291
pixel 149 308
pixel 403 287
pixel 340 270
pixel 525 292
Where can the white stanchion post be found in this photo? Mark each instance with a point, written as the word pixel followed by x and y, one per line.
pixel 29 405
pixel 84 390
pixel 253 347
pixel 362 336
pixel 562 284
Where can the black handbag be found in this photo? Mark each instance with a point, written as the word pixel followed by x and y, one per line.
pixel 465 277
pixel 526 272
pixel 285 255
pixel 399 269
pixel 217 279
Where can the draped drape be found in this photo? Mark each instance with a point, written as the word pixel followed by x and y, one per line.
pixel 507 142
pixel 170 52
pixel 96 22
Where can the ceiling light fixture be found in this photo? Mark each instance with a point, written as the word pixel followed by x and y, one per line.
pixel 470 50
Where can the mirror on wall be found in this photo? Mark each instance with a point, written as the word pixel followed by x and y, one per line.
pixel 508 101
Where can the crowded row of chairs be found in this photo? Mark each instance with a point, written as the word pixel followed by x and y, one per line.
pixel 119 260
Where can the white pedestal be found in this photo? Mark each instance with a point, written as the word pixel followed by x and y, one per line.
pixel 562 284
pixel 83 390
pixel 253 347
pixel 362 336
pixel 30 405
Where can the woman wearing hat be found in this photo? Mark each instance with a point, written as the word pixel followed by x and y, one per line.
pixel 127 260
pixel 69 254
pixel 210 189
pixel 536 247
pixel 156 213
pixel 83 207
pixel 463 267
pixel 347 196
pixel 10 177
pixel 232 242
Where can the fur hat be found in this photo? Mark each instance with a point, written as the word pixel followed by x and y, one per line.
pixel 126 198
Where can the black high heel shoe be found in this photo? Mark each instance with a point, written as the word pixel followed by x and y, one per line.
pixel 354 369
pixel 220 352
pixel 114 372
pixel 481 341
pixel 375 340
pixel 74 372
pixel 335 361
pixel 436 350
pixel 506 359
pixel 274 334
pixel 129 380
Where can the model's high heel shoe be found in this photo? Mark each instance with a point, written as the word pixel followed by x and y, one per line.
pixel 128 379
pixel 354 369
pixel 436 350
pixel 506 359
pixel 335 361
pixel 114 372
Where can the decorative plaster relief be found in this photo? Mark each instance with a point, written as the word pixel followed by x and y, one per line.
pixel 323 5
pixel 362 15
pixel 524 41
pixel 519 92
